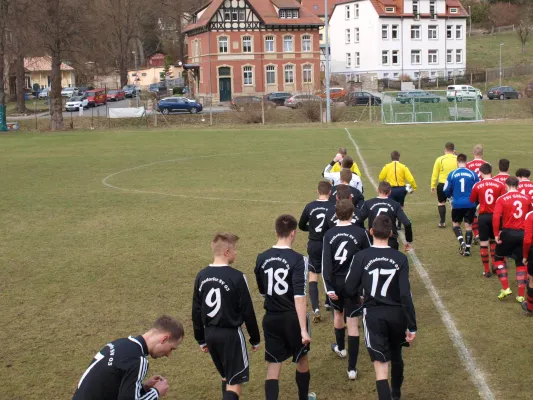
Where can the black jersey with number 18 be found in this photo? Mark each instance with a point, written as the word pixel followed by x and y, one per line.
pixel 313 218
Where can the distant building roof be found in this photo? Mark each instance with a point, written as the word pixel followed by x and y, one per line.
pixel 35 64
pixel 317 6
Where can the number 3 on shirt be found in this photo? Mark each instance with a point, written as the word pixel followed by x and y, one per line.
pixel 375 278
pixel 519 212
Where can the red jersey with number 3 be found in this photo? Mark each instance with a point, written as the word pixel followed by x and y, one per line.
pixel 474 166
pixel 486 193
pixel 511 209
pixel 501 177
pixel 526 188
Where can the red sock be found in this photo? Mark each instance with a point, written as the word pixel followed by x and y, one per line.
pixel 529 298
pixel 521 279
pixel 484 252
pixel 475 228
pixel 493 252
pixel 501 271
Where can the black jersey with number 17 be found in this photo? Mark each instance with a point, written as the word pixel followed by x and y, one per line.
pixel 313 218
pixel 281 275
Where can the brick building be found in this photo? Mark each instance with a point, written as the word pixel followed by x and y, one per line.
pixel 238 47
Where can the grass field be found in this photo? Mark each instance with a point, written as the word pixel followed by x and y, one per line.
pixel 482 51
pixel 84 263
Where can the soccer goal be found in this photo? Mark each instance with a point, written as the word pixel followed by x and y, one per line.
pixel 430 106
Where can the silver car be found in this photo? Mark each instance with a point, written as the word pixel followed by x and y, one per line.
pixel 299 100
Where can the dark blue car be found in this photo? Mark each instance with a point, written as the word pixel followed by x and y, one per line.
pixel 174 104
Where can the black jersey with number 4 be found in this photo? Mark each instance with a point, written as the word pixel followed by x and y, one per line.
pixel 341 243
pixel 281 275
pixel 117 372
pixel 383 274
pixel 313 218
pixel 385 206
pixel 222 299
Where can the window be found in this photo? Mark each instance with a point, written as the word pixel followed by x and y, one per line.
pixel 287 44
pixel 347 36
pixel 227 15
pixel 415 57
pixel 246 44
pixel 433 57
pixel 454 10
pixel 269 44
pixel 223 44
pixel 234 15
pixel 395 57
pixel 347 11
pixel 289 14
pixel 242 15
pixel 389 9
pixel 306 43
pixel 450 74
pixel 458 32
pixel 385 57
pixel 321 36
pixel 395 32
pixel 432 32
pixel 348 60
pixel 396 75
pixel 384 31
pixel 271 75
pixel 248 75
pixel 308 73
pixel 432 9
pixel 417 74
pixel 449 31
pixel 458 56
pixel 386 75
pixel 415 7
pixel 196 48
pixel 415 32
pixel 289 73
pixel 357 59
pixel 356 13
pixel 449 56
pixel 356 35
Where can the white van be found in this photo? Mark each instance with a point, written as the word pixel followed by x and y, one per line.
pixel 463 92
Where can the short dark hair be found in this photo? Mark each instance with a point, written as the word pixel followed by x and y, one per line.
pixel 384 187
pixel 344 192
pixel 324 187
pixel 523 173
pixel 167 324
pixel 503 165
pixel 344 210
pixel 461 158
pixel 346 175
pixel 486 169
pixel 395 155
pixel 512 181
pixel 285 224
pixel 347 162
pixel 449 146
pixel 342 150
pixel 382 227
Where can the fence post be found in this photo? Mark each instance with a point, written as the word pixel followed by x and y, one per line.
pixel 471 78
pixel 263 109
pixel 35 112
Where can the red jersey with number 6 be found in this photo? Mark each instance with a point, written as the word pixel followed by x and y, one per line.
pixel 511 209
pixel 474 166
pixel 486 193
pixel 526 188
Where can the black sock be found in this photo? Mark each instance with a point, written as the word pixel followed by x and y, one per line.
pixel 353 352
pixel 383 389
pixel 271 389
pixel 442 213
pixel 469 236
pixel 302 381
pixel 396 378
pixel 313 295
pixel 224 383
pixel 459 234
pixel 229 395
pixel 339 336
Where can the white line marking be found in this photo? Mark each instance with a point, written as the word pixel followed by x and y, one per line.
pixel 476 373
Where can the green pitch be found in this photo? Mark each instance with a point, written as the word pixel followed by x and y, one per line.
pixel 84 263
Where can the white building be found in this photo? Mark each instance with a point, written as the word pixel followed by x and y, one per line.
pixel 390 38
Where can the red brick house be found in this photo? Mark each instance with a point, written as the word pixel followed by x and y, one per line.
pixel 238 47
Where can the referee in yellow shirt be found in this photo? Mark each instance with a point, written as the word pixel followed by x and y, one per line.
pixel 397 175
pixel 337 167
pixel 442 168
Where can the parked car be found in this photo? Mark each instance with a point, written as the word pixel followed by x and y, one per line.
pixel 335 94
pixel 82 90
pixel 503 92
pixel 241 102
pixel 299 100
pixel 463 92
pixel 157 87
pixel 278 97
pixel 362 99
pixel 44 94
pixel 69 92
pixel 417 96
pixel 131 90
pixel 75 103
pixel 96 97
pixel 175 104
pixel 116 95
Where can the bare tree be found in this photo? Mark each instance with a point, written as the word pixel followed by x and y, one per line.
pixel 525 26
pixel 4 4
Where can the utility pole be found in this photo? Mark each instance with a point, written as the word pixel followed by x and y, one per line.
pixel 328 100
pixel 470 19
pixel 501 44
pixel 136 77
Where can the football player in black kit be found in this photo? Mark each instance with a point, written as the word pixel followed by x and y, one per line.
pixel 221 304
pixel 389 318
pixel 281 275
pixel 357 197
pixel 343 193
pixel 119 369
pixel 313 220
pixel 383 205
pixel 341 243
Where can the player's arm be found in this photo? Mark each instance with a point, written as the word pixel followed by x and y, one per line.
pixel 247 308
pixel 474 195
pixel 496 218
pixel 359 184
pixel 365 241
pixel 384 172
pixel 406 222
pixel 435 174
pixel 197 324
pixel 327 171
pixel 131 385
pixel 410 178
pixel 365 211
pixel 327 266
pixel 303 224
pixel 448 186
pixel 259 278
pixel 358 219
pixel 299 284
pixel 406 297
pixel 354 276
pixel 359 200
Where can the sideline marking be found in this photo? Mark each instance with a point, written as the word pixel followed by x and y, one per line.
pixel 476 373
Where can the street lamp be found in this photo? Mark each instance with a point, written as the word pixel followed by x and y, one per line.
pixel 501 44
pixel 135 79
pixel 328 100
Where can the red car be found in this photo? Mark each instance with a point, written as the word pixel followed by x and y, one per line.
pixel 96 97
pixel 116 95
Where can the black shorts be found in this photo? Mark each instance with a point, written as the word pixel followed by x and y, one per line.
pixel 398 194
pixel 463 214
pixel 511 246
pixel 352 307
pixel 282 337
pixel 314 251
pixel 441 197
pixel 484 223
pixel 227 347
pixel 530 262
pixel 385 328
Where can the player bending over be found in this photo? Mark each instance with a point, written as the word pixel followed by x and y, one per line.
pixel 525 186
pixel 313 220
pixel 119 369
pixel 341 243
pixel 281 275
pixel 503 166
pixel 357 197
pixel 334 177
pixel 442 168
pixel 508 226
pixel 221 304
pixel 459 186
pixel 389 317
pixel 485 193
